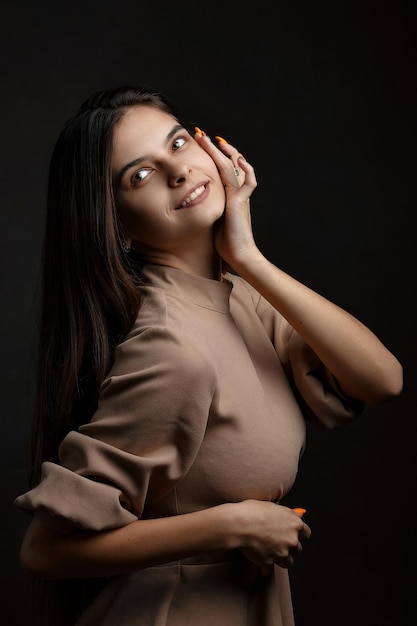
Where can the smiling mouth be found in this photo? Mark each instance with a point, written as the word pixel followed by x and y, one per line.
pixel 193 196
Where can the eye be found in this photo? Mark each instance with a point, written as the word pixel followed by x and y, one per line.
pixel 140 175
pixel 178 143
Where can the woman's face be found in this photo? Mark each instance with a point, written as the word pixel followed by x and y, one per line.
pixel 167 189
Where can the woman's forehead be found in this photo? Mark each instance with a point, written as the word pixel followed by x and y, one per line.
pixel 141 128
pixel 144 118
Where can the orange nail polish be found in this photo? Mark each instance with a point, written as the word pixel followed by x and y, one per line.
pixel 220 139
pixel 299 510
pixel 199 131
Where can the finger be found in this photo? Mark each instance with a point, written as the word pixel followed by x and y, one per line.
pixel 227 165
pixel 227 160
pixel 230 151
pixel 223 146
pixel 232 174
pixel 249 178
pixel 298 548
pixel 299 511
pixel 305 532
pixel 238 163
pixel 289 561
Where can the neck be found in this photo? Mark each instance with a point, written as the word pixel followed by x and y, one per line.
pixel 207 265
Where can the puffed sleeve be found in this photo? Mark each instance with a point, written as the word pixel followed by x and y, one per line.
pixel 318 391
pixel 146 432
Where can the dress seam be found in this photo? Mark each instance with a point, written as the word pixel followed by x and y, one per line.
pixel 177 512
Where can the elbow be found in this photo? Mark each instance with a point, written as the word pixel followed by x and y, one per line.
pixel 37 567
pixel 32 563
pixel 394 380
pixel 38 558
pixel 390 383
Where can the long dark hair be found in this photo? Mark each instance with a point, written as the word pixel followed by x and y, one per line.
pixel 89 283
pixel 89 300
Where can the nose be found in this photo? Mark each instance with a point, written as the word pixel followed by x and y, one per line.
pixel 178 173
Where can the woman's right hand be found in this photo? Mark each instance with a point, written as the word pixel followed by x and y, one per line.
pixel 234 239
pixel 269 533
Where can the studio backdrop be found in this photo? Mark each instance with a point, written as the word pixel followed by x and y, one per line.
pixel 320 98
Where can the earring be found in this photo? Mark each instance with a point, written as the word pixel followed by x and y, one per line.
pixel 125 247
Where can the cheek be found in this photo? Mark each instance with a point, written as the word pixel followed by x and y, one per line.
pixel 209 165
pixel 147 225
pixel 133 218
pixel 141 228
pixel 134 211
pixel 218 188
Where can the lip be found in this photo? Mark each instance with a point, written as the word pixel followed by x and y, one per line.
pixel 196 200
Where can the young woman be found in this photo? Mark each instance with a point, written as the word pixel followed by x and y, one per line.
pixel 176 368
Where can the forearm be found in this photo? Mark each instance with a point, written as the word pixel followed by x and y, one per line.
pixel 265 532
pixel 48 554
pixel 363 366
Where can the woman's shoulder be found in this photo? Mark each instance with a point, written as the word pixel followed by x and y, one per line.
pixel 243 290
pixel 155 340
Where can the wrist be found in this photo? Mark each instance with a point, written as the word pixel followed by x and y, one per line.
pixel 235 524
pixel 251 264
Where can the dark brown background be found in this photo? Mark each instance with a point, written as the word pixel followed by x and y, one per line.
pixel 320 97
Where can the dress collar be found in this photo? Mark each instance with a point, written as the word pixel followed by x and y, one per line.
pixel 205 292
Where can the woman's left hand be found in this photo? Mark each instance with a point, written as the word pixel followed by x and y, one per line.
pixel 233 236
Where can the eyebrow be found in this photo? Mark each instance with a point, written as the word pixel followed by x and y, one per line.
pixel 139 160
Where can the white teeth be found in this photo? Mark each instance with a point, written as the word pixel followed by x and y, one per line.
pixel 193 195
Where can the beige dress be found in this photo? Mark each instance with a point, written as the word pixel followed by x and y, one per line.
pixel 197 410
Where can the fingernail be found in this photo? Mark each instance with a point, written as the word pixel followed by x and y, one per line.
pixel 220 139
pixel 199 131
pixel 299 510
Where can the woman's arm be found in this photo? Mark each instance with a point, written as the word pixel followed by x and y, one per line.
pixel 265 532
pixel 362 365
